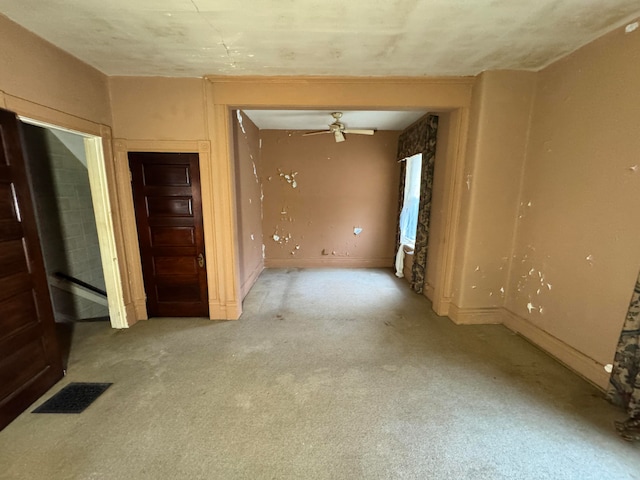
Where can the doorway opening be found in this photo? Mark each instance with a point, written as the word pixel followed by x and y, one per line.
pixel 68 182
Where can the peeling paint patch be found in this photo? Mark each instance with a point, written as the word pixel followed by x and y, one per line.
pixel 252 237
pixel 469 177
pixel 634 168
pixel 276 238
pixel 357 231
pixel 255 172
pixel 530 307
pixel 239 116
pixel 632 27
pixel 290 178
pixel 608 368
pixel 589 259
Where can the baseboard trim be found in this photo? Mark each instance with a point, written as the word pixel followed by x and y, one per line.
pixel 139 310
pixel 583 365
pixel 227 311
pixel 251 279
pixel 130 312
pixel 329 262
pixel 475 316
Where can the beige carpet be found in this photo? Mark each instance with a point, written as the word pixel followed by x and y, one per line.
pixel 330 374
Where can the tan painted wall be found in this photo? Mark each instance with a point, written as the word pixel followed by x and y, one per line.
pixel 339 186
pixel 34 70
pixel 577 238
pixel 499 130
pixel 246 152
pixel 438 213
pixel 156 108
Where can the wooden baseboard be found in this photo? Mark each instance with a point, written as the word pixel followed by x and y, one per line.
pixel 139 309
pixel 577 361
pixel 329 262
pixel 226 311
pixel 251 279
pixel 130 312
pixel 475 316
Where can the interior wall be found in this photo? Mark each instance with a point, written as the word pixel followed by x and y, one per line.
pixel 246 153
pixel 499 132
pixel 158 108
pixel 317 191
pixel 576 254
pixel 34 70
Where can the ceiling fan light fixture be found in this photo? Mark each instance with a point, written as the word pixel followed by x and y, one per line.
pixel 338 129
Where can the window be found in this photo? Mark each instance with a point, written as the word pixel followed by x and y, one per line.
pixel 409 212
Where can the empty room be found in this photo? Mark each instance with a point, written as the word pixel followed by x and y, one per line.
pixel 320 239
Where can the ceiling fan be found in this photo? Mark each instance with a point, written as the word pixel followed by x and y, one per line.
pixel 338 129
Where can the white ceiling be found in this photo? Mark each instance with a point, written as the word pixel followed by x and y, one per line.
pixel 318 37
pixel 320 120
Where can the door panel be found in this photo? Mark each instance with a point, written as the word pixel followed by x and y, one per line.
pixel 166 193
pixel 30 360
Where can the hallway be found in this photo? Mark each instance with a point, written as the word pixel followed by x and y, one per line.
pixel 329 374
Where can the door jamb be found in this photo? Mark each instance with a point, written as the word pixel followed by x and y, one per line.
pixel 125 193
pixel 104 221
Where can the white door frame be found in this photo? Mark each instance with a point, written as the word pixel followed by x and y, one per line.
pixel 104 220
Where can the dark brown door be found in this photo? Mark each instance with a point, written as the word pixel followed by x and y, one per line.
pixel 30 360
pixel 166 194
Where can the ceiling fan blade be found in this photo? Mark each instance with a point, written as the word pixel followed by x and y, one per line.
pixel 339 136
pixel 359 132
pixel 318 132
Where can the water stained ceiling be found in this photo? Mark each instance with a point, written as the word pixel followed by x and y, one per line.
pixel 192 38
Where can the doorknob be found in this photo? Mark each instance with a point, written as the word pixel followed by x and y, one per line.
pixel 201 260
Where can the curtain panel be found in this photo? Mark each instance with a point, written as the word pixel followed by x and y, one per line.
pixel 624 387
pixel 420 138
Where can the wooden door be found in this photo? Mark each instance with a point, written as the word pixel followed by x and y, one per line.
pixel 30 360
pixel 166 194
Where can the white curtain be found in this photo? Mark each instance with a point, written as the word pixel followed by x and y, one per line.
pixel 409 212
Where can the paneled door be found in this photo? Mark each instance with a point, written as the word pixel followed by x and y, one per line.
pixel 30 359
pixel 166 194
